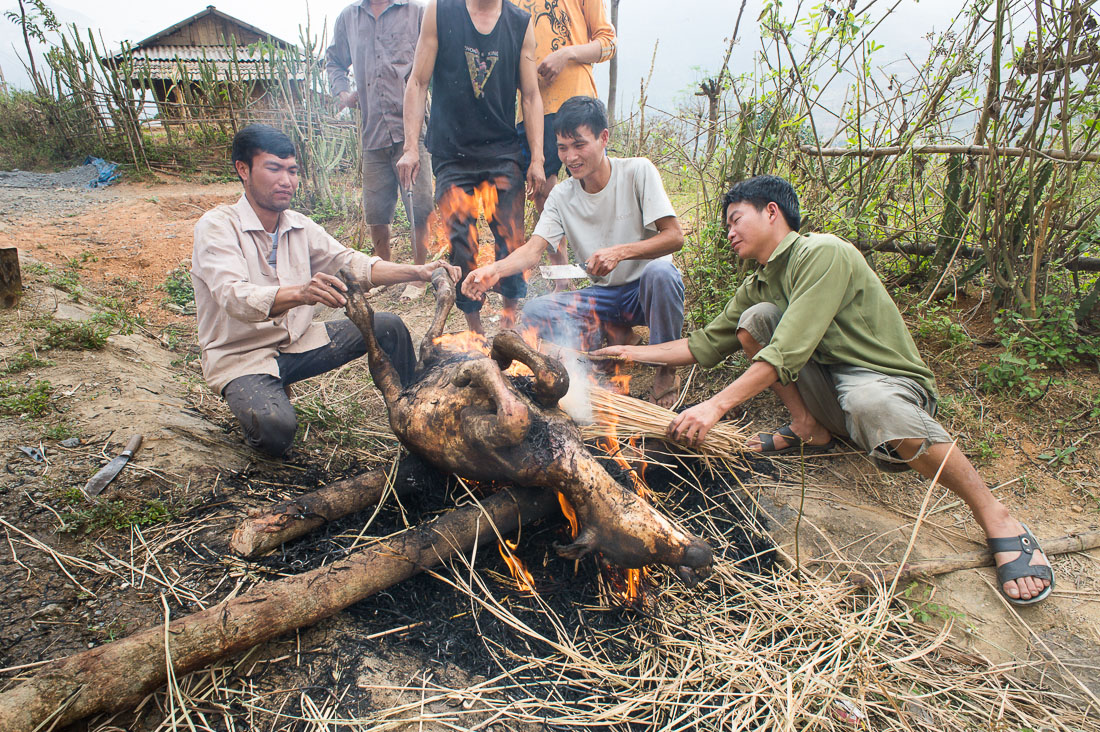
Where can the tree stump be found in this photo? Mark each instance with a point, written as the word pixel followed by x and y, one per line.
pixel 11 282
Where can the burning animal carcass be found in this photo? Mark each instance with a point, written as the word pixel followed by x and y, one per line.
pixel 465 416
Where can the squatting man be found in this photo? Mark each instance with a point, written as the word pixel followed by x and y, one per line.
pixel 822 332
pixel 258 270
pixel 619 221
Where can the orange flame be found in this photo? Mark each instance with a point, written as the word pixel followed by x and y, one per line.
pixel 570 515
pixel 457 204
pixel 524 581
pixel 465 341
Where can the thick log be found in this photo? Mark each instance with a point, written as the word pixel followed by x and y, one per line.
pixel 11 281
pixel 267 528
pixel 118 675
pixel 981 558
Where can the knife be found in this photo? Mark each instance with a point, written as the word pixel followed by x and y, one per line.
pixel 108 472
pixel 562 272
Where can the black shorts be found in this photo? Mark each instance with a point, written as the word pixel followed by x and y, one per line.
pixel 552 165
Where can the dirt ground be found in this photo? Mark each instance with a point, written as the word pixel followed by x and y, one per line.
pixel 124 242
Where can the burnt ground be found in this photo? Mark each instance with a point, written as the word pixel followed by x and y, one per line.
pixel 162 528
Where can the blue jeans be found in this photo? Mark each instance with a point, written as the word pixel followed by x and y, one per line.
pixel 655 299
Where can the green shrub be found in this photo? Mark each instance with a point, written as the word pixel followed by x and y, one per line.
pixel 22 362
pixel 28 139
pixel 178 288
pixel 76 335
pixel 30 400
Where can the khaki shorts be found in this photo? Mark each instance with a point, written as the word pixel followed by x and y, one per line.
pixel 865 407
pixel 380 186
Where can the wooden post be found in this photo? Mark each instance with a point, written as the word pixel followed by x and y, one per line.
pixel 11 282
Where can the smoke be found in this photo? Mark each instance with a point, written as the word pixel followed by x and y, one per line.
pixel 577 403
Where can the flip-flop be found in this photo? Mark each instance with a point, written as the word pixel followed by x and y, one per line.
pixel 674 389
pixel 1021 566
pixel 795 444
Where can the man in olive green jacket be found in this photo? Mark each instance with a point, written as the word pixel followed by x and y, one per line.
pixel 823 333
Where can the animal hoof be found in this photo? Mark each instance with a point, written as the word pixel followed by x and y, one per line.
pixel 575 550
pixel 691 576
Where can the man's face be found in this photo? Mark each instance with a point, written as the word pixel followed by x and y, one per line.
pixel 751 229
pixel 270 181
pixel 582 154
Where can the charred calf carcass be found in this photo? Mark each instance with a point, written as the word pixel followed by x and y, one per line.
pixel 465 416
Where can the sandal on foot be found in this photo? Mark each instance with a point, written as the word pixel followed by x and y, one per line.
pixel 674 389
pixel 1021 566
pixel 795 444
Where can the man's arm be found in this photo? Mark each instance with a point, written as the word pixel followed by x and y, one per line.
pixel 669 239
pixel 337 62
pixel 692 425
pixel 600 45
pixel 671 353
pixel 416 97
pixel 531 101
pixel 482 279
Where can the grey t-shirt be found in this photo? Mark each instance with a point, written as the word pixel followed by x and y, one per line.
pixel 624 211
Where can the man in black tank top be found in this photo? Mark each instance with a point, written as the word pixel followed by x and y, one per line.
pixel 476 54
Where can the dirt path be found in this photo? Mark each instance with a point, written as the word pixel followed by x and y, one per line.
pixel 124 243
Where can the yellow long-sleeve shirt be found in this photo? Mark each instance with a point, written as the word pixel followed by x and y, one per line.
pixel 561 23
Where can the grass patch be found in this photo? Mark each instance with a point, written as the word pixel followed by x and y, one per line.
pixel 178 289
pixel 60 431
pixel 24 361
pixel 25 400
pixel 118 514
pixel 76 335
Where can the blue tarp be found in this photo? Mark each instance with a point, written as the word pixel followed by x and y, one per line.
pixel 107 172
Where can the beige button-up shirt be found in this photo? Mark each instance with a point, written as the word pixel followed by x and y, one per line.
pixel 235 288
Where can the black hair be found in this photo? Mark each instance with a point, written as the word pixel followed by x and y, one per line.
pixel 255 139
pixel 762 190
pixel 579 111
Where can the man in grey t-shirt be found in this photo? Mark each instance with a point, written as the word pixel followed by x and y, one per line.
pixel 620 223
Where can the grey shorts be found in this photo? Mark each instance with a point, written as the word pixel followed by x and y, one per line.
pixel 381 184
pixel 863 406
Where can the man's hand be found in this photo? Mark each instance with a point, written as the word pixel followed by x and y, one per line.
pixel 408 167
pixel 452 271
pixel 347 100
pixel 480 281
pixel 603 261
pixel 624 352
pixel 536 177
pixel 553 64
pixel 691 426
pixel 324 289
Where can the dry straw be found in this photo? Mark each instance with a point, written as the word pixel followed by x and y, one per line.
pixel 624 417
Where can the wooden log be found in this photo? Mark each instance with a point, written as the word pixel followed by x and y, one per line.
pixel 11 281
pixel 265 529
pixel 981 558
pixel 118 675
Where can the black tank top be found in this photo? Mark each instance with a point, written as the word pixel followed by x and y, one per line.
pixel 474 84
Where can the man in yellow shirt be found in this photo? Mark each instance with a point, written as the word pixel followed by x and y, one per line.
pixel 570 36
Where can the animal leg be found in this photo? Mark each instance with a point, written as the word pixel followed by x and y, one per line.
pixel 551 379
pixel 444 301
pixel 359 312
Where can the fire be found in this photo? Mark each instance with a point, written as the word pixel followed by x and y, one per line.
pixel 457 204
pixel 524 581
pixel 467 340
pixel 518 369
pixel 570 515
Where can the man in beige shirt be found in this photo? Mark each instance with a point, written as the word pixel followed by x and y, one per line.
pixel 258 269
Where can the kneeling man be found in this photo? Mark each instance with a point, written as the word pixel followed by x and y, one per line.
pixel 823 333
pixel 258 270
pixel 620 223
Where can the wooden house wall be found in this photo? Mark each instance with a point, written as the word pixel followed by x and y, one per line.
pixel 209 30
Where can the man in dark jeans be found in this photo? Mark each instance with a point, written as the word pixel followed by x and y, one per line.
pixel 476 55
pixel 258 269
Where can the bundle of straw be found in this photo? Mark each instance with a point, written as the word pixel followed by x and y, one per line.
pixel 624 417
